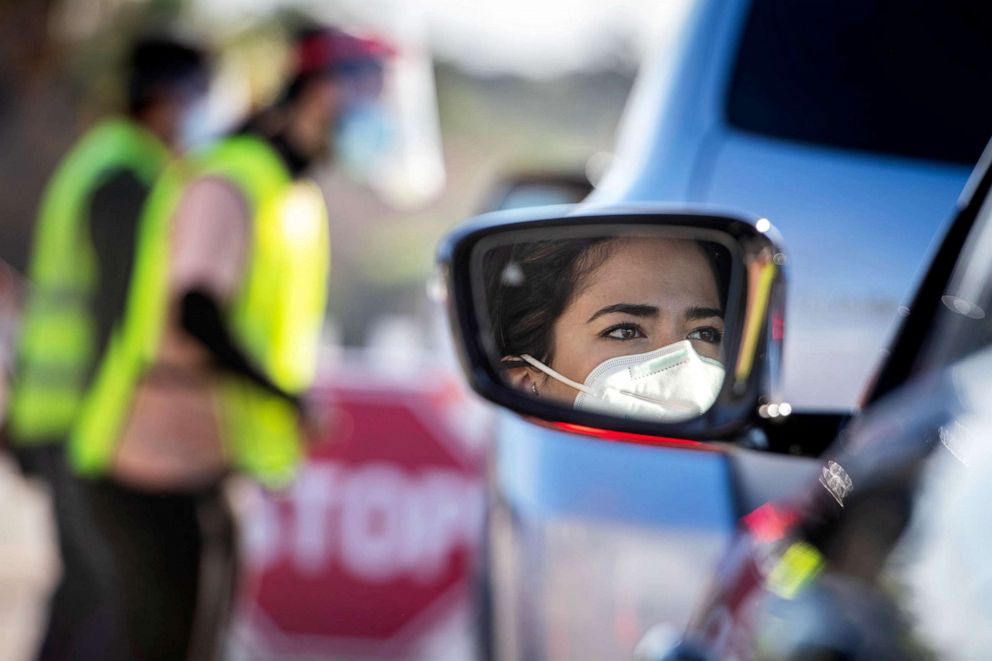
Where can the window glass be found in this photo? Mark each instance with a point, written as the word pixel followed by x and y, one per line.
pixel 963 323
pixel 906 77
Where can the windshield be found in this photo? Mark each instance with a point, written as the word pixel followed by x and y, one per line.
pixel 912 77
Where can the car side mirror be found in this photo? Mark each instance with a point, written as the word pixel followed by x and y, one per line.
pixel 652 322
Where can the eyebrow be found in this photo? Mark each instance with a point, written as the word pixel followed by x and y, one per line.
pixel 695 313
pixel 626 308
pixel 691 314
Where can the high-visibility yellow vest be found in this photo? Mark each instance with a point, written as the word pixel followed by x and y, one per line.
pixel 276 315
pixel 57 337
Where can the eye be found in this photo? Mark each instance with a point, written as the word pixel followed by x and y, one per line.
pixel 623 332
pixel 707 334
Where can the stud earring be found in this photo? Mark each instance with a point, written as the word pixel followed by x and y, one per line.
pixel 533 389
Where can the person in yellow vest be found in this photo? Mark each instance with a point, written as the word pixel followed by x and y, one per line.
pixel 78 275
pixel 208 368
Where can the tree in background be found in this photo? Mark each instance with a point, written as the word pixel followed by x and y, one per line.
pixel 57 72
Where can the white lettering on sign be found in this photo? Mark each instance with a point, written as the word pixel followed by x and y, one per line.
pixel 379 521
pixel 372 522
pixel 313 497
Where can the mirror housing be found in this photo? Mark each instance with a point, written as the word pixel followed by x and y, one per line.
pixel 753 345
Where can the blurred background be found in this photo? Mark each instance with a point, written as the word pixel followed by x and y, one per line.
pixel 519 87
pixel 490 89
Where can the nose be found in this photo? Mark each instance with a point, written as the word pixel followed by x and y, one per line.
pixel 667 331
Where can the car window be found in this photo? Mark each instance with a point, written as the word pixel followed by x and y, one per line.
pixel 963 323
pixel 912 78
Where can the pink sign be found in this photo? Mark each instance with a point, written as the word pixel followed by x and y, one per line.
pixel 375 543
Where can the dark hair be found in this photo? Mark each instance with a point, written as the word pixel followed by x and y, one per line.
pixel 720 262
pixel 157 66
pixel 528 285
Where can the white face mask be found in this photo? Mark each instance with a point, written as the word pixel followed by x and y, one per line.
pixel 362 137
pixel 195 128
pixel 668 384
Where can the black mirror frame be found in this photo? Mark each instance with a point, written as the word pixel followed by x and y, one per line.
pixel 752 383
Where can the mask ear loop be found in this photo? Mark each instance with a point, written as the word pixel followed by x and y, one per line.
pixel 535 363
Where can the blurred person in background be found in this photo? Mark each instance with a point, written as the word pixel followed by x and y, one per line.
pixel 208 366
pixel 78 273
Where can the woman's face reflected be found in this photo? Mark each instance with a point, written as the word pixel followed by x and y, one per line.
pixel 646 294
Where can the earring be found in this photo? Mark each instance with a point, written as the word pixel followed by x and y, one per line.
pixel 533 389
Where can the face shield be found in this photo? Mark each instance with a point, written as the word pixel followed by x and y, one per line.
pixel 387 135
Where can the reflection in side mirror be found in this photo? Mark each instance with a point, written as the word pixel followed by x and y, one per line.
pixel 621 321
pixel 630 320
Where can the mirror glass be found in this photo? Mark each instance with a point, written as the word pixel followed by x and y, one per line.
pixel 631 321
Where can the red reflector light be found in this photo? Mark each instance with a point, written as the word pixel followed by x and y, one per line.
pixel 627 437
pixel 778 327
pixel 769 523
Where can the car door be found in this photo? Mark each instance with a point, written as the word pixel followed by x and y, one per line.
pixel 904 461
pixel 934 385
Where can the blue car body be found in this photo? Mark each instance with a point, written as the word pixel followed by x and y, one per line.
pixel 592 541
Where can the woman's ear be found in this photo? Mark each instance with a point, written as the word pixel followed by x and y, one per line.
pixel 520 376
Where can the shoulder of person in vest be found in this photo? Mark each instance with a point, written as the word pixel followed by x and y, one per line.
pixel 211 231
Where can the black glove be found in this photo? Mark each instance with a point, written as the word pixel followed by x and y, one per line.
pixel 201 317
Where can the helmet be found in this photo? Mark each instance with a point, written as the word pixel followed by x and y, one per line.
pixel 331 50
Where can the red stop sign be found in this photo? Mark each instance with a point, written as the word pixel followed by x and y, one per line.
pixel 375 541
